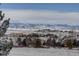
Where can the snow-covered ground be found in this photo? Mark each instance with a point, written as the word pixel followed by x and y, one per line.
pixel 44 52
pixel 40 51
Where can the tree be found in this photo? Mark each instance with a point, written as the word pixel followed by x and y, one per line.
pixel 48 42
pixel 4 24
pixel 24 42
pixel 38 43
pixel 53 43
pixel 19 41
pixel 69 44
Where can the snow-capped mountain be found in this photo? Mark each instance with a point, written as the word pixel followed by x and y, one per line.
pixel 42 26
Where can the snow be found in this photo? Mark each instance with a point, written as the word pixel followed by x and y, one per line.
pixel 14 30
pixel 22 51
pixel 43 52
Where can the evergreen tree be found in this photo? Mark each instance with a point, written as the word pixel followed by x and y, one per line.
pixel 19 41
pixel 38 43
pixel 4 24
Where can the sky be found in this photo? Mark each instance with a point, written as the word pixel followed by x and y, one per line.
pixel 51 13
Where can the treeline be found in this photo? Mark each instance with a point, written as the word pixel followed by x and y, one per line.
pixel 34 40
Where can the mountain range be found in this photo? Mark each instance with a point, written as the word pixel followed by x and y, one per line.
pixel 41 26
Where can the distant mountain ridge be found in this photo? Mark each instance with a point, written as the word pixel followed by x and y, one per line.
pixel 38 26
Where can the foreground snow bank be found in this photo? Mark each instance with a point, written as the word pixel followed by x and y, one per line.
pixel 43 52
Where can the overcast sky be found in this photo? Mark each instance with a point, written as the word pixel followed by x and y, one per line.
pixel 42 13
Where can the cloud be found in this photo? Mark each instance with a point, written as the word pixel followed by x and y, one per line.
pixel 43 16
